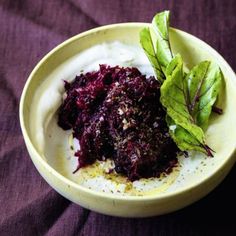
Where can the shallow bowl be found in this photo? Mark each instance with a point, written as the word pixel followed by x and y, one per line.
pixel 194 178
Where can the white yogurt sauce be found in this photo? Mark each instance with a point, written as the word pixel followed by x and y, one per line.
pixel 52 142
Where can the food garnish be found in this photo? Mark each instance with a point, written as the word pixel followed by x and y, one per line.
pixel 187 97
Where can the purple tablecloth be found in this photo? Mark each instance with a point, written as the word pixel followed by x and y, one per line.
pixel 28 30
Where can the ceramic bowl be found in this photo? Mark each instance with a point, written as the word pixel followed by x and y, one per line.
pixel 193 178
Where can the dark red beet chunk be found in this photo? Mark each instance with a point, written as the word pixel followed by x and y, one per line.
pixel 115 113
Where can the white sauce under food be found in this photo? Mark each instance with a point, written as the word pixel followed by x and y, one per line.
pixel 53 143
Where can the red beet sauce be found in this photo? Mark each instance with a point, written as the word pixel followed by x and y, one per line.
pixel 115 113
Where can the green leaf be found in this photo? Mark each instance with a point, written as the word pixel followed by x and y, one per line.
pixel 174 98
pixel 188 100
pixel 146 42
pixel 160 25
pixel 158 48
pixel 204 82
pixel 185 140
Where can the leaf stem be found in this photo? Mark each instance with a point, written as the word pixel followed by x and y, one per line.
pixel 208 150
pixel 217 110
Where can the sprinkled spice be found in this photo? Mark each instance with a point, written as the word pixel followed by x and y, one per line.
pixel 115 113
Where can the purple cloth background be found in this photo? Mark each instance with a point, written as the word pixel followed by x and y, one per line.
pixel 28 30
